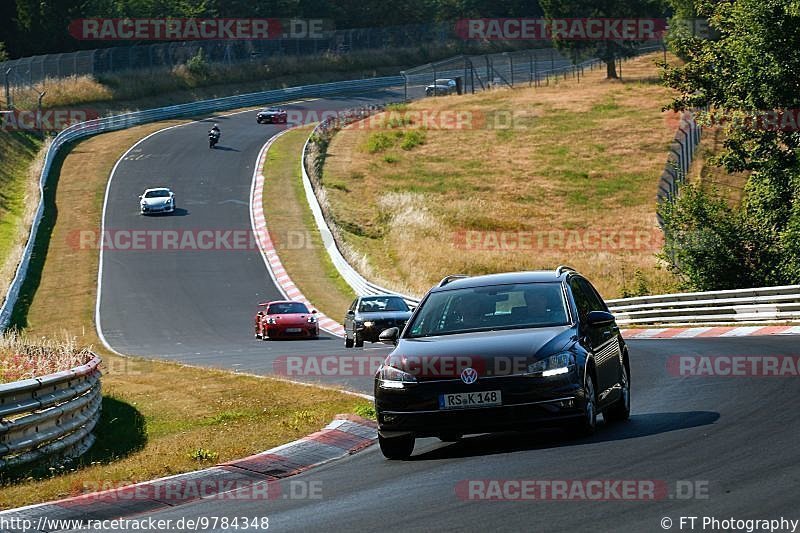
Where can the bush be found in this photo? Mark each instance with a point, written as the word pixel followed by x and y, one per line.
pixel 3 53
pixel 378 142
pixel 198 66
pixel 711 246
pixel 413 139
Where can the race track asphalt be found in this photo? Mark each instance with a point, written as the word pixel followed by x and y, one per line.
pixel 730 440
pixel 193 305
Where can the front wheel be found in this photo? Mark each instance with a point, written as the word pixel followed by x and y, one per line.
pixel 396 448
pixel 348 342
pixel 587 424
pixel 359 342
pixel 621 409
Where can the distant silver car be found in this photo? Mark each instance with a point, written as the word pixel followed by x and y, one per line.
pixel 441 87
pixel 158 200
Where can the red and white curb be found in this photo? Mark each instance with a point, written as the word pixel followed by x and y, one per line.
pixel 270 255
pixel 710 331
pixel 256 477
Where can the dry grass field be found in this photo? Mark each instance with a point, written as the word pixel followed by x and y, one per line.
pixel 563 174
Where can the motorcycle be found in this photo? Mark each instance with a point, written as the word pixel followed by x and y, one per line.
pixel 213 138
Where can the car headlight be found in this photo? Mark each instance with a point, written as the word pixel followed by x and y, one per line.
pixel 369 324
pixel 393 378
pixel 271 320
pixel 312 319
pixel 553 365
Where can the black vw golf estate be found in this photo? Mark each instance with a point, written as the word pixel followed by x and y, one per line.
pixel 502 352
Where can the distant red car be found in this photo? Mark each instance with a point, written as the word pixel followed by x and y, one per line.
pixel 285 319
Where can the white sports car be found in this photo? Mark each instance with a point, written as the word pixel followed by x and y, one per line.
pixel 159 200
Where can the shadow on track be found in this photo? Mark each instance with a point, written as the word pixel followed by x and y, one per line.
pixel 641 425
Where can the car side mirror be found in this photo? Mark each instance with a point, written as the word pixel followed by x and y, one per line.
pixel 313 311
pixel 141 196
pixel 350 312
pixel 599 318
pixel 389 336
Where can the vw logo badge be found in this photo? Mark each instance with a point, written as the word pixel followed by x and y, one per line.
pixel 469 376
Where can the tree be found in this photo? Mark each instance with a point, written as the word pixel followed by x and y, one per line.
pixel 607 50
pixel 3 53
pixel 747 79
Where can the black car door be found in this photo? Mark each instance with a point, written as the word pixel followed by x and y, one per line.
pixel 589 337
pixel 606 347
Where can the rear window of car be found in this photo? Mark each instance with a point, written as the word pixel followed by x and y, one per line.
pixel 496 307
pixel 287 308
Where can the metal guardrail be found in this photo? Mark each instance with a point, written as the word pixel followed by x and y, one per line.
pixel 758 305
pixel 118 122
pixel 50 417
pixel 360 285
pixel 681 153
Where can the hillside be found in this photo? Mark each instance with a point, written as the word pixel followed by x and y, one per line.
pixel 572 180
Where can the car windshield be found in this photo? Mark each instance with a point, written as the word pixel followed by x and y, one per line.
pixel 496 307
pixel 287 308
pixel 443 82
pixel 161 193
pixel 382 304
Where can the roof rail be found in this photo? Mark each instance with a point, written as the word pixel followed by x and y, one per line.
pixel 451 277
pixel 562 268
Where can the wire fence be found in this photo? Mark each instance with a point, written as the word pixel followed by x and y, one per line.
pixel 531 67
pixel 29 71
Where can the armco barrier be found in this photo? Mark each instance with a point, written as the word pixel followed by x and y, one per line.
pixel 760 305
pixel 50 417
pixel 357 282
pixel 118 122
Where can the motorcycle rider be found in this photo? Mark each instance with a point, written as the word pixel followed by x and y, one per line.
pixel 213 136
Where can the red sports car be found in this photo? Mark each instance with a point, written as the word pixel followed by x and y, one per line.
pixel 286 319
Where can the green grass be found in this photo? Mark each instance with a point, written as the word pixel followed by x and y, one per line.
pixel 287 211
pixel 17 153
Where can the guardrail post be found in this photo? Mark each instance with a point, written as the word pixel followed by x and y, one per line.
pixel 9 103
pixel 39 113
